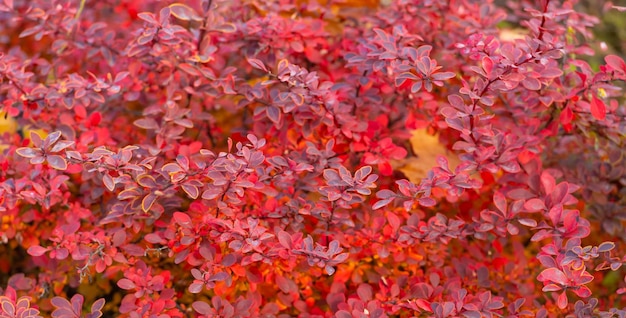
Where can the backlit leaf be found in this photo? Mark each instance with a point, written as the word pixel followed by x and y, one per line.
pixel 184 12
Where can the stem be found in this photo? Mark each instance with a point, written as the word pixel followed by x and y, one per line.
pixel 508 70
pixel 81 7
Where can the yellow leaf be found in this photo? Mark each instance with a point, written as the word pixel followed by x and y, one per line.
pixel 510 35
pixel 426 148
pixel 7 123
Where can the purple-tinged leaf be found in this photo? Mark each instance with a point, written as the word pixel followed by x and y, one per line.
pixel 528 222
pixel 256 63
pixel 57 162
pixel 202 308
pixel 146 123
pixel 606 247
pixel 184 12
pixel 148 201
pixel 27 152
pixel 191 190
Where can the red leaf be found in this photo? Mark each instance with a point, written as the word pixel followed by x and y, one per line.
pixel 567 115
pixel 182 219
pixel 598 109
pixel 487 63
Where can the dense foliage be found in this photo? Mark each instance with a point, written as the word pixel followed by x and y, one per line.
pixel 219 158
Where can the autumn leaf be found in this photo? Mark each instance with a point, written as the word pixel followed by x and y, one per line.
pixel 426 148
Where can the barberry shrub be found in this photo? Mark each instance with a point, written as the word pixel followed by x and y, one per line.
pixel 240 158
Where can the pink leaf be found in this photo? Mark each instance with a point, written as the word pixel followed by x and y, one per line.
pixel 146 123
pixel 256 63
pixel 562 300
pixel 427 201
pixel 527 222
pixel 553 275
pixel 182 219
pixel 500 201
pixel 195 288
pixel 126 284
pixel 534 205
pixel 225 28
pixel 37 250
pixel 285 239
pixel 615 62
